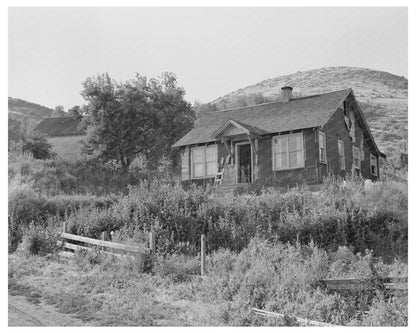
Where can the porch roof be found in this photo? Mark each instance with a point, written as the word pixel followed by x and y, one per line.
pixel 248 129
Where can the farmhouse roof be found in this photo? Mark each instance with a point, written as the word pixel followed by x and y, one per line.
pixel 274 117
pixel 63 126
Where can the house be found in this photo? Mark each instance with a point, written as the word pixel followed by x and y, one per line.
pixel 64 134
pixel 283 143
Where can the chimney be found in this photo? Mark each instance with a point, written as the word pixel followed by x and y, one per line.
pixel 287 93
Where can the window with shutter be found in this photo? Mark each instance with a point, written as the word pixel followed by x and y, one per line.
pixel 356 157
pixel 341 153
pixel 373 165
pixel 322 147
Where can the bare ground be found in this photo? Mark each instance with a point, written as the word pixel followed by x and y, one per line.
pixel 23 312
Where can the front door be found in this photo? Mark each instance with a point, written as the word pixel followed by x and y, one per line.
pixel 244 164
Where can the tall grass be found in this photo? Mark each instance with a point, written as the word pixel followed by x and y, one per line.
pixel 355 213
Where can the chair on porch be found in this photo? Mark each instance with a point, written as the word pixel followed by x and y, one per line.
pixel 220 173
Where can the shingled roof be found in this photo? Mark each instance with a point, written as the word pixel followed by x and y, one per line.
pixel 274 117
pixel 64 126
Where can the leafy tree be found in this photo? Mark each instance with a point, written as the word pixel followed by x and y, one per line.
pixel 137 117
pixel 201 109
pixel 37 144
pixel 59 112
pixel 75 111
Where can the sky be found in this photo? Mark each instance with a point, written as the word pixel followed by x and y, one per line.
pixel 213 51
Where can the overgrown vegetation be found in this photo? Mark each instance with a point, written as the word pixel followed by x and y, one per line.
pixel 267 251
pixel 274 276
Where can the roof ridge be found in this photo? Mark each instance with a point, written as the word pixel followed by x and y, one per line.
pixel 58 117
pixel 280 102
pixel 317 95
pixel 245 107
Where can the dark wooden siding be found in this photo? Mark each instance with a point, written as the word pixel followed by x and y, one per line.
pixel 336 129
pixel 307 174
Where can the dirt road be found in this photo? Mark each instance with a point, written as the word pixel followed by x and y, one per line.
pixel 24 313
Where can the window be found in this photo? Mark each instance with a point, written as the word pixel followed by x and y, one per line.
pixel 288 151
pixel 356 158
pixel 185 164
pixel 341 153
pixel 352 127
pixel 211 160
pixel 373 165
pixel 204 161
pixel 322 147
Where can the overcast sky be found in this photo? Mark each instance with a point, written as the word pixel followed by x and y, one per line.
pixel 213 51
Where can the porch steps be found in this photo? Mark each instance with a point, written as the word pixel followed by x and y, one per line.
pixel 222 190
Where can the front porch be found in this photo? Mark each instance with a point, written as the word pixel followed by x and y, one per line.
pixel 238 167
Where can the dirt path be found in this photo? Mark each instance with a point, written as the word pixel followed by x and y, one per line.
pixel 24 313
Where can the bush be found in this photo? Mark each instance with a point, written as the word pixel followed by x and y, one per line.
pixel 26 206
pixel 351 214
pixel 41 240
pixel 178 268
pixel 39 146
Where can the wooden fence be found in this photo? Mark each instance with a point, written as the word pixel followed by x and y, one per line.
pixel 103 246
pixel 344 284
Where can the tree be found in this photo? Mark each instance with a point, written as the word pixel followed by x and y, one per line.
pixel 37 144
pixel 138 116
pixel 201 109
pixel 59 112
pixel 75 111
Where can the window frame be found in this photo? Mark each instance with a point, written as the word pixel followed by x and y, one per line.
pixel 325 160
pixel 341 154
pixel 358 150
pixel 373 158
pixel 204 161
pixel 287 151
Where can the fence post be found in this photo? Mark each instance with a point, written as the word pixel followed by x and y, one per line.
pixel 203 258
pixel 152 247
pixel 103 239
pixel 64 227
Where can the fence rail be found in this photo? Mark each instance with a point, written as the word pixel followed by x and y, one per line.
pixel 301 321
pixel 117 246
pixel 103 245
pixel 389 283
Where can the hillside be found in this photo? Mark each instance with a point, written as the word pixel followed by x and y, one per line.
pixel 21 108
pixel 24 116
pixel 382 96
